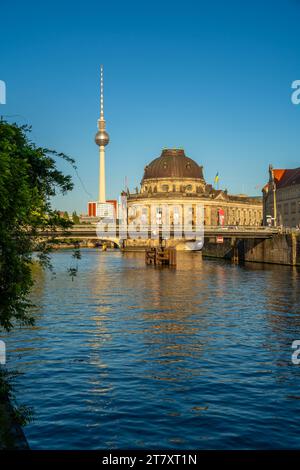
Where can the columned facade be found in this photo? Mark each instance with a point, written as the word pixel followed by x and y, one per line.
pixel 175 181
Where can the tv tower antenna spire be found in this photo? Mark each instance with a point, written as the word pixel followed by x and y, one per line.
pixel 101 139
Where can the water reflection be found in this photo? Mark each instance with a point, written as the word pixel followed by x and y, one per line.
pixel 129 355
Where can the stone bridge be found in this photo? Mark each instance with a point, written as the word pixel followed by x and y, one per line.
pixel 228 241
pixel 258 244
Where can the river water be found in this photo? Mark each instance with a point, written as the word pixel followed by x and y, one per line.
pixel 132 356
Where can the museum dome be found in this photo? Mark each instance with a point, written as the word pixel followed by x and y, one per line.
pixel 173 163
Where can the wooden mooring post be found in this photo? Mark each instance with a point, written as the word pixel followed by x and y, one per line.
pixel 161 256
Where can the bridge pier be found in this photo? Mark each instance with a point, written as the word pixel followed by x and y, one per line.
pixel 235 251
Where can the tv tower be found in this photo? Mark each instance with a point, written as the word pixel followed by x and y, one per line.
pixel 101 139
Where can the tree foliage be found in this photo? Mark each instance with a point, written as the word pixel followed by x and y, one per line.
pixel 75 218
pixel 11 413
pixel 28 179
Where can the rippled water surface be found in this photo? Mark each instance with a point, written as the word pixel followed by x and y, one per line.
pixel 129 356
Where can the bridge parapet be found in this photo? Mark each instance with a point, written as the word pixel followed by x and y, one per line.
pixel 118 232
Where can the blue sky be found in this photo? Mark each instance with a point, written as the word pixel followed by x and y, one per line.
pixel 212 77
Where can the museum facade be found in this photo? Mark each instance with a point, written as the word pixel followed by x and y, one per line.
pixel 175 181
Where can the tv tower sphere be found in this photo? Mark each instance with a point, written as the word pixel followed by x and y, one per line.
pixel 102 138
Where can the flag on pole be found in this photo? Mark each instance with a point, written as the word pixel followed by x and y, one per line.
pixel 216 177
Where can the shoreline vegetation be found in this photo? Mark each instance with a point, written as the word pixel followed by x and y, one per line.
pixel 29 179
pixel 12 415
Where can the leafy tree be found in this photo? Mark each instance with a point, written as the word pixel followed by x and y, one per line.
pixel 11 413
pixel 75 218
pixel 28 179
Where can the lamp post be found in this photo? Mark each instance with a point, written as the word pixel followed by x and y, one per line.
pixel 272 185
pixel 274 202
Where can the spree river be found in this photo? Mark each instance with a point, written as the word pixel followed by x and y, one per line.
pixel 132 356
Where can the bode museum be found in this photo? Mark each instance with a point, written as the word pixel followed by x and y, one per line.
pixel 176 181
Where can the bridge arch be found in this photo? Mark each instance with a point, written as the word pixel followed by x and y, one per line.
pixel 116 241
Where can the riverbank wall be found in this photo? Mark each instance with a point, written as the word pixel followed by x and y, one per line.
pixel 280 249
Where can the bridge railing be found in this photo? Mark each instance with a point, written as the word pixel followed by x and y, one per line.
pixel 241 228
pixel 169 231
pixel 174 228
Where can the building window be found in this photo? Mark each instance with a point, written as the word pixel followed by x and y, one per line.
pixel 293 207
pixel 189 188
pixel 286 208
pixel 165 187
